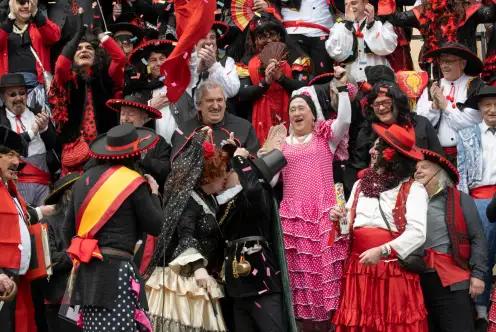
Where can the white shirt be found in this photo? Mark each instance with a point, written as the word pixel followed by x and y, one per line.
pixel 368 215
pixel 488 142
pixel 380 39
pixel 36 146
pixel 311 11
pixel 25 245
pixel 453 120
pixel 166 126
pixel 226 76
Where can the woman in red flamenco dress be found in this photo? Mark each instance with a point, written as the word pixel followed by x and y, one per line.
pixel 387 217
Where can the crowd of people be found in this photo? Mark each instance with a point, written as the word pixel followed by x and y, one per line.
pixel 247 165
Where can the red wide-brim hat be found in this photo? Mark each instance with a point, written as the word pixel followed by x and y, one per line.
pixel 116 104
pixel 123 141
pixel 444 163
pixel 400 140
pixel 221 29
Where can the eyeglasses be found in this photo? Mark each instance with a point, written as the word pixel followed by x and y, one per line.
pixel 125 39
pixel 386 104
pixel 274 36
pixel 449 62
pixel 14 94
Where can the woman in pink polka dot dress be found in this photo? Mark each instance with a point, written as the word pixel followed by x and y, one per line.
pixel 315 267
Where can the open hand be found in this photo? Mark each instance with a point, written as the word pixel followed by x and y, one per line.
pixel 153 184
pixel 203 280
pixel 207 54
pixel 349 13
pixel 33 7
pixel 159 101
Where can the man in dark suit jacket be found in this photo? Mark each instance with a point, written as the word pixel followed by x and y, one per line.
pixel 38 136
pixel 211 104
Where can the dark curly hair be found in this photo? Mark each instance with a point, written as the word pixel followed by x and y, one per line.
pixel 214 167
pixel 100 62
pixel 402 166
pixel 400 105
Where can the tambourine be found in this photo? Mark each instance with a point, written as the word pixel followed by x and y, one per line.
pixel 8 297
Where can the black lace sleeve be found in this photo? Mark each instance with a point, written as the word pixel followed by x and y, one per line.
pixel 403 19
pixel 186 229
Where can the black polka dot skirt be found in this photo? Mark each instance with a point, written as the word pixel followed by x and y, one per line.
pixel 126 315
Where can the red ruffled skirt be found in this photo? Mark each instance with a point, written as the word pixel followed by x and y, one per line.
pixel 377 298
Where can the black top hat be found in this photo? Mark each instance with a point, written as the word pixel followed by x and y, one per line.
pixel 321 79
pixel 132 28
pixel 136 102
pixel 379 73
pixel 11 141
pixel 444 163
pixel 485 92
pixel 60 188
pixel 9 80
pixel 123 141
pixel 269 165
pixel 474 64
pixel 144 50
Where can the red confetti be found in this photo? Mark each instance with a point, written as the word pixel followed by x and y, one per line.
pixel 268 273
pixel 323 37
pixel 266 285
pixel 262 291
pixel 377 36
pixel 321 64
pixel 173 84
pixel 260 85
pixel 258 305
pixel 254 272
pixel 229 72
pixel 185 55
pixel 88 181
pixel 263 257
pixel 278 272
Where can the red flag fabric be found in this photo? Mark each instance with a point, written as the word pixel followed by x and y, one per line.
pixel 194 19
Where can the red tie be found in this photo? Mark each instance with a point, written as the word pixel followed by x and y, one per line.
pixel 19 126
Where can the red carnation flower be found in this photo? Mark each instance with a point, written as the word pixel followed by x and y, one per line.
pixel 388 154
pixel 208 150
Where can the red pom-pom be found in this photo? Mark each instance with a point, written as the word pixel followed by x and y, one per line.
pixel 208 150
pixel 388 154
pixel 359 34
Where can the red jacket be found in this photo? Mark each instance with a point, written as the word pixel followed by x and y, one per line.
pixel 42 38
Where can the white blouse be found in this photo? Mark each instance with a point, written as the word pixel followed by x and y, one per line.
pixel 368 215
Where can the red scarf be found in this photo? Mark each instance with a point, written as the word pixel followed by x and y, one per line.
pixel 272 108
pixel 10 236
pixel 457 228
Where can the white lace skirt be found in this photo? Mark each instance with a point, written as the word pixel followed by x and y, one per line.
pixel 178 304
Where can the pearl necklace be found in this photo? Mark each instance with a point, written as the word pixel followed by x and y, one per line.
pixel 299 144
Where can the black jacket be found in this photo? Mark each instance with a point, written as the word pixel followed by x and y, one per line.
pixel 49 137
pixel 249 213
pixel 243 131
pixel 53 290
pixel 95 282
pixel 157 161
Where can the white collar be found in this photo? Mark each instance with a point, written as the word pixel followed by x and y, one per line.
pixel 461 78
pixel 484 127
pixel 11 115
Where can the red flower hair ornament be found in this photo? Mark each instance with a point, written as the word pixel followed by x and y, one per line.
pixel 388 154
pixel 208 150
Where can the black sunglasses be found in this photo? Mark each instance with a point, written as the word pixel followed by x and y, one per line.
pixel 14 94
pixel 126 38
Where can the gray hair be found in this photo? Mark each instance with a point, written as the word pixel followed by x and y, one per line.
pixel 443 179
pixel 207 85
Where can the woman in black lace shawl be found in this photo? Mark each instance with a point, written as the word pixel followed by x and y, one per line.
pixel 184 260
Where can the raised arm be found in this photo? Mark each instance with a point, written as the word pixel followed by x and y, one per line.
pixel 49 31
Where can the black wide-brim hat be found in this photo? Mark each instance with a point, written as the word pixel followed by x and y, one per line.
pixel 444 163
pixel 123 141
pixel 12 80
pixel 60 187
pixel 269 165
pixel 321 79
pixel 474 64
pixel 124 26
pixel 221 29
pixel 135 102
pixel 485 92
pixel 144 50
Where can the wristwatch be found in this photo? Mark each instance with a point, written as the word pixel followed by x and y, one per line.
pixel 384 251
